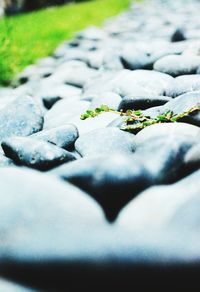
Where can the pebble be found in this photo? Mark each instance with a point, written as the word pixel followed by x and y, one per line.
pixel 22 117
pixel 63 136
pixel 35 153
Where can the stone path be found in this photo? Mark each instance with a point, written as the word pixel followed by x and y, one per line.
pixel 83 202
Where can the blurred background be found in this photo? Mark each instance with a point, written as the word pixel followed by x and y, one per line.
pixel 9 7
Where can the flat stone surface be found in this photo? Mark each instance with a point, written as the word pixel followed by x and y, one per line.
pixel 105 141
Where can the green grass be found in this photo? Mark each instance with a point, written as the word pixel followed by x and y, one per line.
pixel 25 38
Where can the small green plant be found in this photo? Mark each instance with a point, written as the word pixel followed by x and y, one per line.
pixel 136 120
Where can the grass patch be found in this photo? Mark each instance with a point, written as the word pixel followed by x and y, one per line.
pixel 25 38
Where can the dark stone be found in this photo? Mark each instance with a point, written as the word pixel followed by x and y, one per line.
pixel 192 158
pixel 63 136
pixel 113 181
pixel 142 102
pixel 105 141
pixel 35 153
pixel 178 35
pixel 22 117
pixel 175 65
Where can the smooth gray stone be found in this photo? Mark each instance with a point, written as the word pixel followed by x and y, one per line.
pixel 184 84
pixel 179 105
pixel 112 180
pixel 111 99
pixel 57 121
pixel 74 75
pixel 142 102
pixel 99 122
pixel 105 141
pixel 165 131
pixel 164 157
pixel 106 82
pixel 183 102
pixel 63 136
pixel 142 83
pixel 162 208
pixel 135 59
pixel 67 106
pixel 175 65
pixel 126 82
pixel 35 153
pixel 22 117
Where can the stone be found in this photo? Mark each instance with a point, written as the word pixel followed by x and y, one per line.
pixel 178 35
pixel 175 65
pixel 112 180
pixel 51 95
pixel 112 100
pixel 192 158
pixel 67 106
pixel 184 84
pixel 165 208
pixel 98 122
pixel 35 153
pixel 63 136
pixel 142 83
pixel 22 117
pixel 135 58
pixel 74 75
pixel 35 209
pixel 142 102
pixel 164 157
pixel 105 141
pixel 165 131
pixel 5 161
